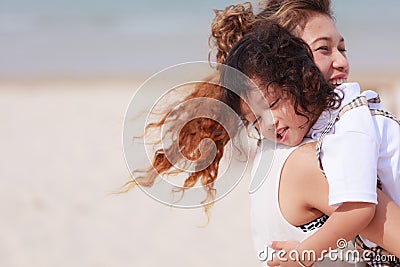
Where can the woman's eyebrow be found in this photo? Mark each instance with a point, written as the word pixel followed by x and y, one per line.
pixel 321 39
pixel 324 38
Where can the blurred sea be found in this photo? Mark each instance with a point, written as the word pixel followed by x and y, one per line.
pixel 45 38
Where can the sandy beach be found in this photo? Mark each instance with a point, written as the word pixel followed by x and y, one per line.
pixel 61 157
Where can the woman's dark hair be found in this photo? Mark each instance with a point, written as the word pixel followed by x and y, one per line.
pixel 271 55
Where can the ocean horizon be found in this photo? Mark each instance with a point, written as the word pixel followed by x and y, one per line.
pixel 124 38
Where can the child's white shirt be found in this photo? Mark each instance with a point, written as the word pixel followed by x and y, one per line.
pixel 359 148
pixel 349 153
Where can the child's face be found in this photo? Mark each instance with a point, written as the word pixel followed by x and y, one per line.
pixel 275 118
pixel 328 48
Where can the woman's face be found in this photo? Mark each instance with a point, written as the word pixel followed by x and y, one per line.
pixel 328 48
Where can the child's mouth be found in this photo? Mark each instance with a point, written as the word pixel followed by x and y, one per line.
pixel 281 134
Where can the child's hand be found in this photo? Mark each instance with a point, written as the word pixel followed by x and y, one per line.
pixel 286 254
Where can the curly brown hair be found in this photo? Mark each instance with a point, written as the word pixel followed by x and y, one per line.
pixel 271 56
pixel 228 27
pixel 187 135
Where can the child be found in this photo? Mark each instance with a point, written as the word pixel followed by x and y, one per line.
pixel 303 104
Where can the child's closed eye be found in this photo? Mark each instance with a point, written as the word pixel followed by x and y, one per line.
pixel 273 104
pixel 256 121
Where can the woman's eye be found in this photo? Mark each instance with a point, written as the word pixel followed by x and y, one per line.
pixel 323 48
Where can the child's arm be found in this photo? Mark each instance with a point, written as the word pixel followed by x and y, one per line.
pixel 345 223
pixel 309 188
pixel 302 183
pixel 384 227
pixel 351 184
pixel 382 230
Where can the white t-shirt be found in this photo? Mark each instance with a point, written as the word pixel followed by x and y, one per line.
pixel 359 148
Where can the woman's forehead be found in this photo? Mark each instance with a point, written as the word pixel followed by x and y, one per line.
pixel 320 25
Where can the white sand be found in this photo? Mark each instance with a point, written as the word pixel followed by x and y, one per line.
pixel 61 154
